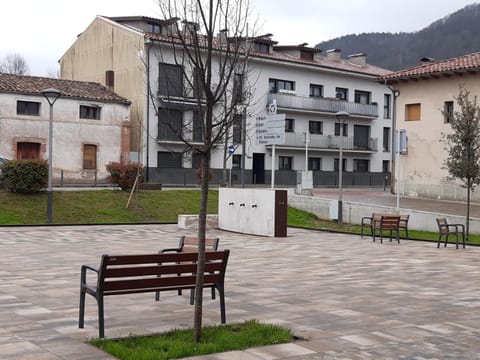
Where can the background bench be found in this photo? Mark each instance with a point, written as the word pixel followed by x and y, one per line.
pixel 129 274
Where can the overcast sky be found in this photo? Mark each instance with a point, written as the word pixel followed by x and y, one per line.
pixel 42 31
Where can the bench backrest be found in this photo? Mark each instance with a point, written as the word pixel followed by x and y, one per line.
pixel 190 244
pixel 389 222
pixel 404 220
pixel 442 225
pixel 126 274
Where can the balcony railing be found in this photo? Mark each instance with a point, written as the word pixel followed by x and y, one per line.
pixel 323 105
pixel 321 142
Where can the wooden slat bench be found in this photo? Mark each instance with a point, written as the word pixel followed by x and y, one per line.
pixel 130 274
pixel 373 222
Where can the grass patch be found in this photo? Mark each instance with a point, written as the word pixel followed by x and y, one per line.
pixel 180 343
pixel 102 206
pixel 162 206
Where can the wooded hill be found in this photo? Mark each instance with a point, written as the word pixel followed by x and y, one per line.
pixel 454 35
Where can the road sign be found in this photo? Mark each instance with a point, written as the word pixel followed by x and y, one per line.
pixel 270 129
pixel 231 149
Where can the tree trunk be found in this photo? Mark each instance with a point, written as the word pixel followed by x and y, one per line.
pixel 202 229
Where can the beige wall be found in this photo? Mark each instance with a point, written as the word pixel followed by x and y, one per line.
pixel 106 46
pixel 421 170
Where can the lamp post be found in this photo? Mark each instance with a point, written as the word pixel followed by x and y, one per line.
pixel 51 95
pixel 341 116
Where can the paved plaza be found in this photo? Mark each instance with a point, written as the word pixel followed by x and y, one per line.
pixel 348 297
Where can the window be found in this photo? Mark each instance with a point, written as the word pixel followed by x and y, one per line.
pixel 316 90
pixel 314 163
pixel 412 112
pixel 197 126
pixel 341 93
pixel 89 157
pixel 289 125
pixel 362 97
pixel 386 139
pixel 360 165
pixel 28 108
pixel 447 111
pixel 238 95
pixel 236 161
pixel 154 28
pixel 285 163
pixel 337 129
pixel 386 106
pixel 386 166
pixel 197 84
pixel 170 124
pixel 275 85
pixel 170 80
pixel 196 160
pixel 237 129
pixel 262 47
pixel 167 159
pixel 315 127
pixel 89 112
pixel 335 164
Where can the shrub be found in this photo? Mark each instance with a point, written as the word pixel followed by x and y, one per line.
pixel 25 176
pixel 124 174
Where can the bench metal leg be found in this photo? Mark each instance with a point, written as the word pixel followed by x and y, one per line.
pixel 81 315
pixel 221 295
pixel 101 322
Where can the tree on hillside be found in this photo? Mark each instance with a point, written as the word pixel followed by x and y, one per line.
pixel 463 144
pixel 14 64
pixel 208 47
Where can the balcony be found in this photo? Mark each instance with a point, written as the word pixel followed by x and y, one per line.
pixel 329 143
pixel 323 105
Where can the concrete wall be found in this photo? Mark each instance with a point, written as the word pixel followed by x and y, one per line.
pixel 353 213
pixel 421 169
pixel 70 133
pixel 249 211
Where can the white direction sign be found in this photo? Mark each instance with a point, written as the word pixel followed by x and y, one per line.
pixel 270 129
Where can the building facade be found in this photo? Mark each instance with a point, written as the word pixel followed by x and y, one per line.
pixel 309 86
pixel 427 93
pixel 91 126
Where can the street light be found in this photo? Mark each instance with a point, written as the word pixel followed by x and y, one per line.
pixel 51 95
pixel 341 116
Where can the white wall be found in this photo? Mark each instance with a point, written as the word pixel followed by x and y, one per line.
pixel 70 132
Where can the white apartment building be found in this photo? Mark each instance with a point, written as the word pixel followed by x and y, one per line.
pixel 308 85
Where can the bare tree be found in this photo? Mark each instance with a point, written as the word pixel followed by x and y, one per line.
pixel 209 46
pixel 14 64
pixel 463 144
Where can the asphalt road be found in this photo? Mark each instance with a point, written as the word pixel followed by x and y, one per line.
pixel 379 197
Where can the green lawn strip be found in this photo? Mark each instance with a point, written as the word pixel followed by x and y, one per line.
pixel 102 206
pixel 162 206
pixel 180 343
pixel 303 219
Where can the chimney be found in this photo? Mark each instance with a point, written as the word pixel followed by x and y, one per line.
pixel 426 59
pixel 358 59
pixel 223 36
pixel 334 54
pixel 110 79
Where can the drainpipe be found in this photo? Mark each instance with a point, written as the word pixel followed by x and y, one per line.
pixel 393 180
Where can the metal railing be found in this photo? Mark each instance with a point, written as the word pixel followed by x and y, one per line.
pixel 327 142
pixel 328 105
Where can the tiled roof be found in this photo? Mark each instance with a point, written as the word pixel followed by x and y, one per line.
pixel 321 61
pixel 33 85
pixel 469 62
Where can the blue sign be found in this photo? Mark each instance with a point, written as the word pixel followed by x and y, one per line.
pixel 231 149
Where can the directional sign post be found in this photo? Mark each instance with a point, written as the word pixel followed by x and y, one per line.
pixel 270 130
